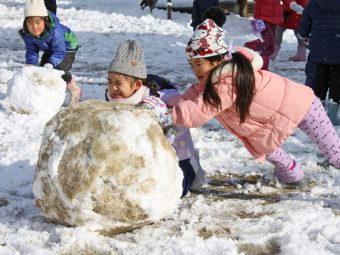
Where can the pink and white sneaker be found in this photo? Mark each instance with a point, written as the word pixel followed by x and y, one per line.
pixel 292 177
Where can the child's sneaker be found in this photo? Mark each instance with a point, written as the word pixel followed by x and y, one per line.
pixel 292 177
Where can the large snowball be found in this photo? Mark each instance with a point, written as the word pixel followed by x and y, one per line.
pixel 106 166
pixel 35 90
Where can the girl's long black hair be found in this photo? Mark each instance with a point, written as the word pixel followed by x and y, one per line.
pixel 243 84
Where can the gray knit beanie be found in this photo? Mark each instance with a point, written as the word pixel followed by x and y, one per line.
pixel 129 60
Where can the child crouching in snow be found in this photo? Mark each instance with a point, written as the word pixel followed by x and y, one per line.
pixel 128 83
pixel 43 31
pixel 261 108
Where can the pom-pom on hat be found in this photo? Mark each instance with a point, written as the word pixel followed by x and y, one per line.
pixel 206 41
pixel 35 8
pixel 129 60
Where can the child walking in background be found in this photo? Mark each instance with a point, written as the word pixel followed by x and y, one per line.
pixel 271 12
pixel 261 108
pixel 42 31
pixel 129 83
pixel 51 5
pixel 292 11
pixel 320 23
pixel 199 7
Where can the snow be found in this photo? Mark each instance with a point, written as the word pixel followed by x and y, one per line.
pixel 247 219
pixel 35 90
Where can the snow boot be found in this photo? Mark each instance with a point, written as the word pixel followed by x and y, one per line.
pixel 300 55
pixel 332 112
pixel 276 51
pixel 255 45
pixel 199 180
pixel 292 177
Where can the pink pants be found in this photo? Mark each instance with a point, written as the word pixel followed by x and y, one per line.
pixel 320 130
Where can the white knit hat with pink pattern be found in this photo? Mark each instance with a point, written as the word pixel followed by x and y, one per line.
pixel 206 41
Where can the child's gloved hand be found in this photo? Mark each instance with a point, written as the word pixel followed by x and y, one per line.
pixel 159 108
pixel 48 66
pixel 67 77
pixel 295 7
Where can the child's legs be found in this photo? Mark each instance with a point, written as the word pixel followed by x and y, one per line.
pixel 310 74
pixel 183 144
pixel 334 83
pixel 301 42
pixel 188 175
pixel 268 37
pixel 320 130
pixel 286 170
pixel 280 159
pixel 279 34
pixel 322 80
pixel 67 62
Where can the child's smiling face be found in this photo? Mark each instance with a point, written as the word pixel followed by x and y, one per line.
pixel 201 68
pixel 121 86
pixel 35 25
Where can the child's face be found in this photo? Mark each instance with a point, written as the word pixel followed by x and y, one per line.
pixel 201 68
pixel 35 25
pixel 121 86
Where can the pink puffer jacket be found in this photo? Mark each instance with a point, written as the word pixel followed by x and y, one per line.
pixel 278 107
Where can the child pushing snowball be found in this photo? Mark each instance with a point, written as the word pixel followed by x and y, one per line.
pixel 42 31
pixel 129 83
pixel 261 108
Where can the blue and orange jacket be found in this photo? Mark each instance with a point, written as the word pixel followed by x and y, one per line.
pixel 56 40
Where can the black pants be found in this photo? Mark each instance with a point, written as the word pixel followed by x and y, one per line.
pixel 65 65
pixel 51 5
pixel 327 77
pixel 189 175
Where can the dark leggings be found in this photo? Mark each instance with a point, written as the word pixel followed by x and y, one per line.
pixel 189 175
pixel 327 77
pixel 64 65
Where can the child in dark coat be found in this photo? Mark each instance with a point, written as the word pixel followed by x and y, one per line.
pixel 320 23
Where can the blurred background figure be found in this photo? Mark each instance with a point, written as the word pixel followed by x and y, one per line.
pixel 292 11
pixel 51 5
pixel 199 7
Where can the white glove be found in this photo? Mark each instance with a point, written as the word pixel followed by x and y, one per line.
pixel 295 7
pixel 48 66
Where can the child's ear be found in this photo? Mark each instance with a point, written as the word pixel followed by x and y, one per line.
pixel 138 83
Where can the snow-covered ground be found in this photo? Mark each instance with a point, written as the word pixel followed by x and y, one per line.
pixel 239 219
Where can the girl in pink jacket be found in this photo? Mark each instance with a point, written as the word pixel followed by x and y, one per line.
pixel 261 108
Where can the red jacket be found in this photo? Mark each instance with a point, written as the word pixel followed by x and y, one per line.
pixel 291 18
pixel 269 10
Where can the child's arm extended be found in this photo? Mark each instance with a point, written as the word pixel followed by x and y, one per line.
pixel 32 53
pixel 159 108
pixel 192 92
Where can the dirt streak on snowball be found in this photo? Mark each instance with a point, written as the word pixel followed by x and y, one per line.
pixel 106 166
pixel 35 90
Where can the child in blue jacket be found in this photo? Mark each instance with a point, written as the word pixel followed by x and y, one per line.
pixel 42 31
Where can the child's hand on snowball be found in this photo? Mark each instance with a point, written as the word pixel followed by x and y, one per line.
pixel 159 108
